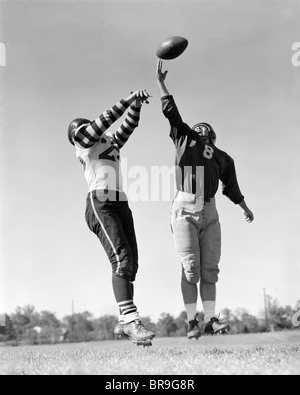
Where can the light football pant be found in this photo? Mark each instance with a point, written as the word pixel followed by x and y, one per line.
pixel 197 234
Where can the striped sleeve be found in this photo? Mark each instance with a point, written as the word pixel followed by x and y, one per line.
pixel 90 134
pixel 127 128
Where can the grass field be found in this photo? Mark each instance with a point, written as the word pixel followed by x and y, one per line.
pixel 259 354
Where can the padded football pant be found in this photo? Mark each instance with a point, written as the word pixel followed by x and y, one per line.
pixel 112 222
pixel 197 234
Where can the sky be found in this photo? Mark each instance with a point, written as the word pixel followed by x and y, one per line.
pixel 69 59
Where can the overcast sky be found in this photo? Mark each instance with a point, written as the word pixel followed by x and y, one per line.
pixel 68 59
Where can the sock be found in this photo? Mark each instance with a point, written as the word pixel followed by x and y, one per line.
pixel 132 317
pixel 209 310
pixel 191 310
pixel 122 288
pixel 128 311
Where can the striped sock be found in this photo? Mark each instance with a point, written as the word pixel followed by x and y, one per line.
pixel 129 311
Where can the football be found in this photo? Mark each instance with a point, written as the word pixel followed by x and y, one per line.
pixel 172 47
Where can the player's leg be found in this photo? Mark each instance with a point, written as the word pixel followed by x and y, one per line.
pixel 104 220
pixel 125 215
pixel 210 246
pixel 134 330
pixel 129 229
pixel 186 237
pixel 126 218
pixel 119 253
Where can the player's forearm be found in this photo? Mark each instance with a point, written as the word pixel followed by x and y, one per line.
pixel 243 205
pixel 92 133
pixel 163 90
pixel 248 213
pixel 171 112
pixel 101 124
pixel 130 123
pixel 130 99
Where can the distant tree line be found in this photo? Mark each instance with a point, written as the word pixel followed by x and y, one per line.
pixel 27 326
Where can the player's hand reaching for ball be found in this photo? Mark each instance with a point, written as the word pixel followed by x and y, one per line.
pixel 161 76
pixel 139 97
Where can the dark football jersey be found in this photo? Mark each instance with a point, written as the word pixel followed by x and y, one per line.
pixel 199 166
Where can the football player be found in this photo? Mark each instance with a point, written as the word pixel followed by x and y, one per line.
pixel 195 220
pixel 107 211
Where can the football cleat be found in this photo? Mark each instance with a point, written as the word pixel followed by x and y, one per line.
pixel 119 330
pixel 138 334
pixel 194 331
pixel 216 326
pixel 144 344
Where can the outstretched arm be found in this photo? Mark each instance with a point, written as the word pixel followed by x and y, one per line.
pixel 231 187
pixel 178 127
pixel 161 77
pixel 89 134
pixel 132 119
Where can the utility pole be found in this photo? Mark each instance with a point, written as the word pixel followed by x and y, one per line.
pixel 73 320
pixel 266 310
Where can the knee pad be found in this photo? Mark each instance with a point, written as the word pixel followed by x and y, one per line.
pixel 191 266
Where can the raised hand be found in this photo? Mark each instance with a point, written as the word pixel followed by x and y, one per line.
pixel 139 96
pixel 161 76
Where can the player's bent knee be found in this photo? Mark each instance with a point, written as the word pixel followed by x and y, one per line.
pixel 191 267
pixel 192 278
pixel 124 274
pixel 125 269
pixel 134 274
pixel 210 276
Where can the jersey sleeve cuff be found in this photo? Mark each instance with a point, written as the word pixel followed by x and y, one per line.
pixel 240 200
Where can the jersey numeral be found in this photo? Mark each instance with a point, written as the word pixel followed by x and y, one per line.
pixel 208 152
pixel 106 155
pixel 296 316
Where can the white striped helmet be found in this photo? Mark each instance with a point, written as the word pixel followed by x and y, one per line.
pixel 211 133
pixel 75 125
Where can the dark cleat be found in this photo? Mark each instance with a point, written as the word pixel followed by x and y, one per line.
pixel 216 326
pixel 194 331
